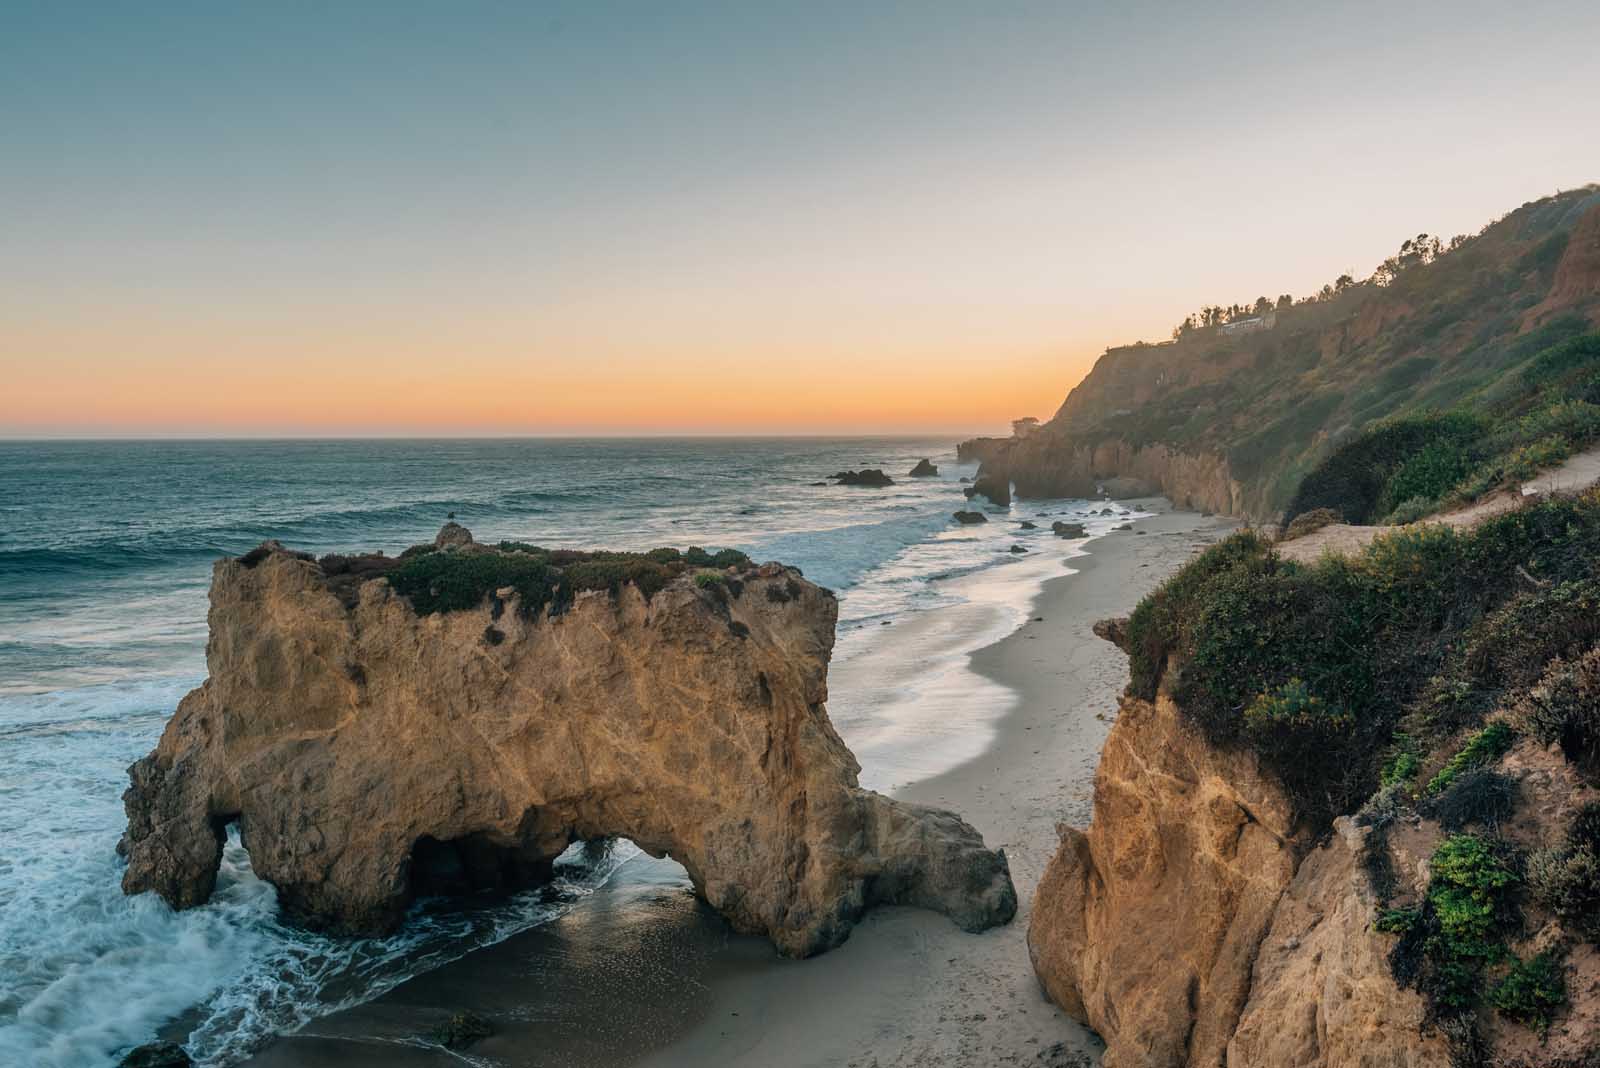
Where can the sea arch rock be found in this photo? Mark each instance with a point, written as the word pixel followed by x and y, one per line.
pixel 370 754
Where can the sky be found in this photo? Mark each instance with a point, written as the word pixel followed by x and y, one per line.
pixel 619 218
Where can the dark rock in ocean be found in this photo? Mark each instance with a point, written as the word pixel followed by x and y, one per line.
pixel 995 485
pixel 818 483
pixel 924 469
pixel 1106 511
pixel 965 479
pixel 450 515
pixel 1017 549
pixel 461 1030
pixel 1068 530
pixel 1123 526
pixel 1027 525
pixel 971 517
pixel 867 476
pixel 968 492
pixel 157 1055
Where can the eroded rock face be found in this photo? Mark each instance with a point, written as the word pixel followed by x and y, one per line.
pixel 1322 993
pixel 370 755
pixel 1146 927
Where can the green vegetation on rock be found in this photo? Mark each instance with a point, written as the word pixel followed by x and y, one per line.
pixel 1483 747
pixel 1532 992
pixel 451 581
pixel 1315 666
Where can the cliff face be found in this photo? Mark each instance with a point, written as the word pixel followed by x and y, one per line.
pixel 1045 465
pixel 370 754
pixel 1146 926
pixel 1230 420
pixel 1193 924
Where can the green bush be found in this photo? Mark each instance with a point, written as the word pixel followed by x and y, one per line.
pixel 1564 708
pixel 1532 992
pixel 1560 360
pixel 455 581
pixel 1459 929
pixel 1472 883
pixel 1430 473
pixel 1354 479
pixel 1402 767
pixel 707 579
pixel 1482 747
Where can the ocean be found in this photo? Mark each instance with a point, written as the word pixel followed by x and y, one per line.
pixel 105 557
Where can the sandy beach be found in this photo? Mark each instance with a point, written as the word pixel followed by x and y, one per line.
pixel 644 974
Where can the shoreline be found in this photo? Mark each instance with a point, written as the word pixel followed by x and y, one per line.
pixel 645 974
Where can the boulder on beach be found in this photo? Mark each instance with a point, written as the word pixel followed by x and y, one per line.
pixel 924 469
pixel 971 517
pixel 157 1055
pixel 451 722
pixel 1027 524
pixel 1068 530
pixel 1017 549
pixel 867 476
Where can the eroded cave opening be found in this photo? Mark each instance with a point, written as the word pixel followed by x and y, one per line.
pixel 473 864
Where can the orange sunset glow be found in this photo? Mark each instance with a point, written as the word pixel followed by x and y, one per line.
pixel 928 219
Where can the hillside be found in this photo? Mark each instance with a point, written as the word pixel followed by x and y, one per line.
pixel 1245 402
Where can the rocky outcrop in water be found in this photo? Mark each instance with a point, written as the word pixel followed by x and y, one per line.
pixel 871 477
pixel 968 518
pixel 370 754
pixel 924 469
pixel 993 482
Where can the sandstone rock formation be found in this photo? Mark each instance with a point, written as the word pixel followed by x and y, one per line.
pixel 1321 991
pixel 1146 927
pixel 371 755
pixel 1194 924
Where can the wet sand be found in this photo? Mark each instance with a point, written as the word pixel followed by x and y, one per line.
pixel 643 974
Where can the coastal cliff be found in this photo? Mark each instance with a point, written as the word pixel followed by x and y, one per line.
pixel 1231 414
pixel 375 745
pixel 1348 813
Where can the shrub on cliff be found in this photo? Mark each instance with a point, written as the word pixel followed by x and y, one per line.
pixel 1431 452
pixel 1481 748
pixel 542 578
pixel 1565 879
pixel 1532 992
pixel 1461 925
pixel 1564 708
pixel 1313 665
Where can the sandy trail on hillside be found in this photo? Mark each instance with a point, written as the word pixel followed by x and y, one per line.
pixel 1576 473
